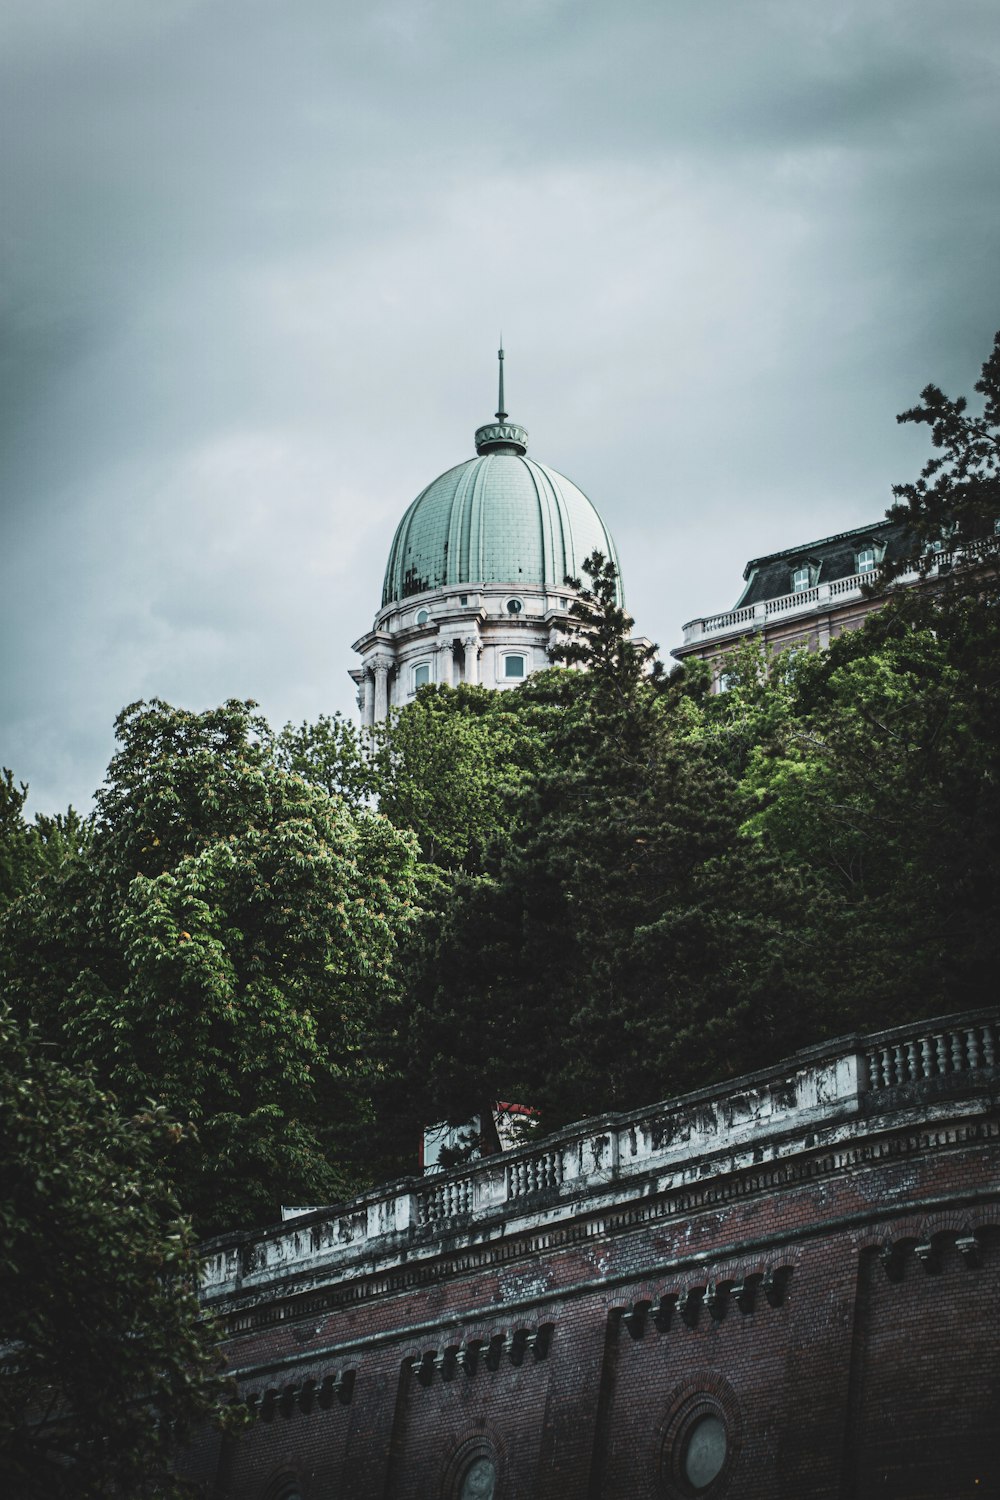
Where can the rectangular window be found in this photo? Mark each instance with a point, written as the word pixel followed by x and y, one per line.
pixel 800 580
pixel 421 675
pixel 866 560
pixel 513 666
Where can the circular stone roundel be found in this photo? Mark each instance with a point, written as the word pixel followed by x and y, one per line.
pixel 699 1438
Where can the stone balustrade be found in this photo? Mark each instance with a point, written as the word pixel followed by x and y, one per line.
pixel 611 1157
pixel 756 616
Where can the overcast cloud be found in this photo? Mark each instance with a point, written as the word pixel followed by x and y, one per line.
pixel 256 257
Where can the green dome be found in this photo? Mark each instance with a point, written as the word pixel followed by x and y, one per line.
pixel 497 518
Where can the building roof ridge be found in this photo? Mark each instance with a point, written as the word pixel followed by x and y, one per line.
pixel 885 524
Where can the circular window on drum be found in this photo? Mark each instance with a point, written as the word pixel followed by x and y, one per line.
pixel 514 606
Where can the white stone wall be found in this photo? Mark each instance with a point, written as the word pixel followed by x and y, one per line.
pixel 459 635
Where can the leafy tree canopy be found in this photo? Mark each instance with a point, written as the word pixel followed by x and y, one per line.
pixel 443 768
pixel 955 503
pixel 108 1364
pixel 29 850
pixel 226 949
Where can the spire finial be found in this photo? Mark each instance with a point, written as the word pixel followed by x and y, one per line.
pixel 501 414
pixel 501 436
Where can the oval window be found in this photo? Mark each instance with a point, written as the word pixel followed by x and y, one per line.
pixel 704 1453
pixel 479 1480
pixel 423 616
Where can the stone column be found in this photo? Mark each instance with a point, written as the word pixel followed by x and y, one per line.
pixel 446 651
pixel 381 671
pixel 368 688
pixel 471 647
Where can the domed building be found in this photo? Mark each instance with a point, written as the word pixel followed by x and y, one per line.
pixel 476 577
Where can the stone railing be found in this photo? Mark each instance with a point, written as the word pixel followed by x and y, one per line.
pixel 936 1054
pixel 756 616
pixel 820 596
pixel 679 1141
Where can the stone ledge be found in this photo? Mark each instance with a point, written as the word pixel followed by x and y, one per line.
pixel 615 1164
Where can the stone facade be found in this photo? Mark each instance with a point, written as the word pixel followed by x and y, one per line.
pixel 803 596
pixel 488 636
pixel 785 1286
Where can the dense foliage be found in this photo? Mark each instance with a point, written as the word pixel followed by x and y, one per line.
pixel 954 506
pixel 695 884
pixel 107 1363
pixel 225 948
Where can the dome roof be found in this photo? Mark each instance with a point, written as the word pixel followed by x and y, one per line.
pixel 497 518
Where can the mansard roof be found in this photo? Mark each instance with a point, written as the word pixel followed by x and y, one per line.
pixel 830 558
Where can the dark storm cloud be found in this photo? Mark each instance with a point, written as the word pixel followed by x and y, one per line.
pixel 256 256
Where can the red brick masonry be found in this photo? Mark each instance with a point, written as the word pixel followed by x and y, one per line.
pixel 810 1256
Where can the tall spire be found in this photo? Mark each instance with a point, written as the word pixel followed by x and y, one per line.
pixel 501 413
pixel 501 436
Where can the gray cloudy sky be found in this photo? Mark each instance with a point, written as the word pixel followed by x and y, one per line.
pixel 255 255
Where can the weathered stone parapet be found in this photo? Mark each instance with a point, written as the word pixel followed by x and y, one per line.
pixel 830 1095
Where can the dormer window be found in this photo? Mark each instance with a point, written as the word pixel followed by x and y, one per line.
pixel 801 579
pixel 866 560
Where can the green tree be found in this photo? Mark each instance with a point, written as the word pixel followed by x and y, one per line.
pixel 597 633
pixel 333 753
pixel 227 949
pixel 444 768
pixel 955 503
pixel 29 850
pixel 624 940
pixel 881 777
pixel 107 1362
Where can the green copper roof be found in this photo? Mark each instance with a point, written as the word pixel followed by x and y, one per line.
pixel 498 518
